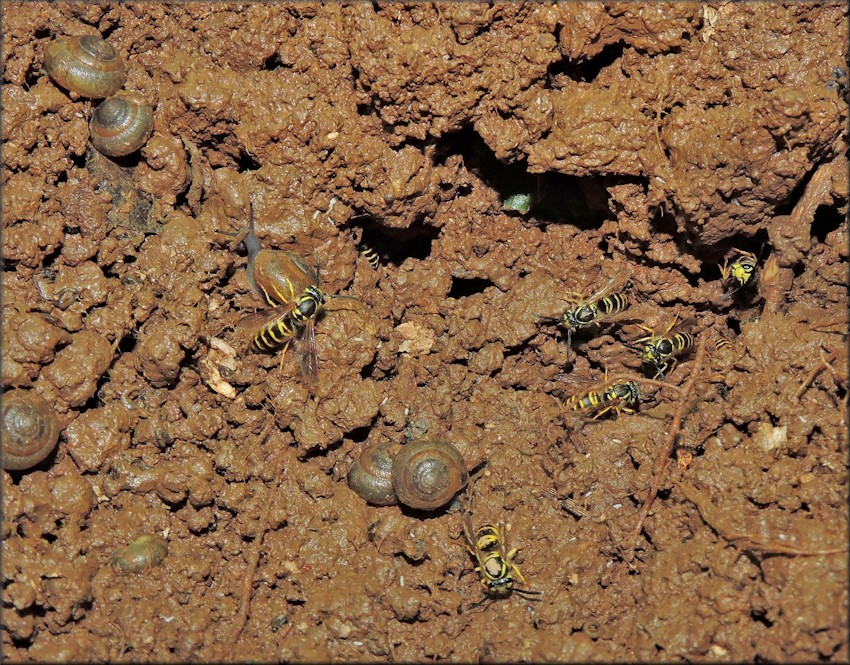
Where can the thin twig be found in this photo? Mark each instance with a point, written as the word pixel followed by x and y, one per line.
pixel 667 449
pixel 711 515
pixel 822 365
pixel 254 558
pixel 624 378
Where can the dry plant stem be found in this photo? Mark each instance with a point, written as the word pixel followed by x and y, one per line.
pixel 844 321
pixel 667 449
pixel 711 515
pixel 624 378
pixel 823 364
pixel 254 559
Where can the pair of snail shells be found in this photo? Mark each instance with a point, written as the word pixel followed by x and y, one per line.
pixel 85 66
pixel 424 474
pixel 141 555
pixel 121 124
pixel 30 429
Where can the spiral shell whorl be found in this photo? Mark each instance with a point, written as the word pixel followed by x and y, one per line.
pixel 370 476
pixel 141 555
pixel 85 65
pixel 30 429
pixel 120 125
pixel 428 474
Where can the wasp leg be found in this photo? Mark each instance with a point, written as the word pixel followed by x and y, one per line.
pixel 509 553
pixel 514 567
pixel 662 369
pixel 673 362
pixel 283 354
pixel 670 327
pixel 606 410
pixel 724 269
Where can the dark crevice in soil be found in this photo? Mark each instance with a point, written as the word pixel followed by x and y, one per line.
pixel 272 62
pixel 760 616
pixel 360 434
pixel 664 223
pixel 368 371
pixel 176 505
pixel 48 261
pixel 734 324
pixel 107 29
pixel 786 206
pixel 586 71
pixel 127 343
pixel 393 246
pixel 827 219
pixel 318 451
pixel 553 197
pixel 79 161
pixel 463 288
pixel 98 399
pixel 246 162
pixel 709 272
pixel 366 109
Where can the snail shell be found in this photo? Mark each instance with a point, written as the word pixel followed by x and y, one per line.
pixel 85 65
pixel 371 475
pixel 428 474
pixel 142 554
pixel 276 276
pixel 121 125
pixel 30 429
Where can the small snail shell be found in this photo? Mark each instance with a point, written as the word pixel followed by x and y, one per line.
pixel 121 125
pixel 371 475
pixel 142 554
pixel 428 474
pixel 85 65
pixel 30 429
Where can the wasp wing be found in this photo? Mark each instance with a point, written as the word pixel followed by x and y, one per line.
pixel 616 283
pixel 309 359
pixel 249 325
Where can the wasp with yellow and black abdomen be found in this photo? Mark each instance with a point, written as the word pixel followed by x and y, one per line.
pixel 660 351
pixel 603 305
pixel 721 342
pixel 489 547
pixel 622 396
pixel 279 326
pixel 292 290
pixel 371 255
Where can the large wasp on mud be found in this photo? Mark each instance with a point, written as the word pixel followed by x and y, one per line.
pixel 623 396
pixel 601 306
pixel 292 290
pixel 489 546
pixel 660 351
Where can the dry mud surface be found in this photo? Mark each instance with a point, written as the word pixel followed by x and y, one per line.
pixel 653 138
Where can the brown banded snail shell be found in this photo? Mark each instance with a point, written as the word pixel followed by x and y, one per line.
pixel 85 65
pixel 428 474
pixel 278 277
pixel 142 554
pixel 371 475
pixel 30 429
pixel 120 125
